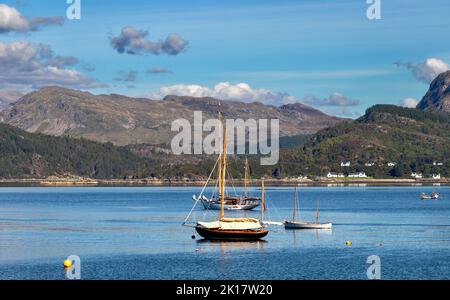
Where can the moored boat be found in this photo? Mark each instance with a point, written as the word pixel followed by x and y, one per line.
pixel 297 224
pixel 432 196
pixel 244 202
pixel 244 229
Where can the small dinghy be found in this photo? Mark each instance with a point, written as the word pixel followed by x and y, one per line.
pixel 432 196
pixel 294 224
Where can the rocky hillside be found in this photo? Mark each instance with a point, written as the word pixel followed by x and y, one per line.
pixel 437 99
pixel 123 120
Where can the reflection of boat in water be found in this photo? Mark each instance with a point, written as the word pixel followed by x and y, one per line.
pixel 294 224
pixel 244 229
pixel 244 202
pixel 432 196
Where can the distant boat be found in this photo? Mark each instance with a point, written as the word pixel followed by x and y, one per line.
pixel 294 224
pixel 247 229
pixel 432 196
pixel 244 202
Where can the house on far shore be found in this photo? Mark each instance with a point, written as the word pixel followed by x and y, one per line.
pixel 391 164
pixel 436 176
pixel 335 175
pixel 438 164
pixel 417 175
pixel 345 164
pixel 301 177
pixel 369 164
pixel 357 175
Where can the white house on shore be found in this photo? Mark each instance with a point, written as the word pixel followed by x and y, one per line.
pixel 369 164
pixel 357 175
pixel 417 175
pixel 438 164
pixel 436 176
pixel 345 164
pixel 335 175
pixel 391 164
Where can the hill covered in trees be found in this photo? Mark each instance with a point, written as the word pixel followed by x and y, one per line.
pixel 27 155
pixel 410 138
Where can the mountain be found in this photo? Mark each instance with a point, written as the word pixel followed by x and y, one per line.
pixel 410 138
pixel 437 99
pixel 123 120
pixel 8 97
pixel 31 155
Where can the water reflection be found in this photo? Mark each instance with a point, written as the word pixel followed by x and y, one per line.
pixel 224 246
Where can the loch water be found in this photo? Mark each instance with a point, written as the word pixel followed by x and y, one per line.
pixel 136 233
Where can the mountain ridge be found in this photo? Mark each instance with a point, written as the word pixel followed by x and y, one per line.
pixel 125 120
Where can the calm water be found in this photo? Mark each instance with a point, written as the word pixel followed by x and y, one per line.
pixel 135 233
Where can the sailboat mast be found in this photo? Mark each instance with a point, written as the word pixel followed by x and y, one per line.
pixel 245 176
pixel 295 206
pixel 223 174
pixel 317 213
pixel 219 163
pixel 262 200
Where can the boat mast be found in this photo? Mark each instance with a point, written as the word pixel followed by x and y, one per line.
pixel 219 163
pixel 317 212
pixel 295 206
pixel 223 174
pixel 262 199
pixel 245 176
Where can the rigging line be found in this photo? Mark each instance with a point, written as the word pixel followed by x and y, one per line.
pixel 201 194
pixel 232 182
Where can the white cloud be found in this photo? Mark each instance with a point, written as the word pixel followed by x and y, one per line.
pixel 335 99
pixel 409 102
pixel 427 70
pixel 226 91
pixel 28 65
pixel 12 20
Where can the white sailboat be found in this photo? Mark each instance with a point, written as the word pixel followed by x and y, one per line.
pixel 244 202
pixel 294 224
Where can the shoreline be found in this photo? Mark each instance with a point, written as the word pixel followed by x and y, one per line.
pixel 66 182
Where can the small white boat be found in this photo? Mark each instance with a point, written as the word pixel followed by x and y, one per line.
pixel 304 225
pixel 433 196
pixel 294 224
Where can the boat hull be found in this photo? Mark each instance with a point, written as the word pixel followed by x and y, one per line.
pixel 216 206
pixel 301 225
pixel 231 235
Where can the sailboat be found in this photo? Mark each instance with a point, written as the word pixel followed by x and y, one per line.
pixel 294 224
pixel 231 228
pixel 244 202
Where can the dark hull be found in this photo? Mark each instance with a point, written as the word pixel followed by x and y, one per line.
pixel 231 235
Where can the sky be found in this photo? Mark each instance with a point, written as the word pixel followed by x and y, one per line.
pixel 326 54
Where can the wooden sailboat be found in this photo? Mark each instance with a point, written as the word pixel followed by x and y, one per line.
pixel 294 224
pixel 230 228
pixel 244 202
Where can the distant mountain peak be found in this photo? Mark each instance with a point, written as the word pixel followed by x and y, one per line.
pixel 437 99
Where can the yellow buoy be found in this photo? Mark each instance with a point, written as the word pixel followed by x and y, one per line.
pixel 348 243
pixel 67 264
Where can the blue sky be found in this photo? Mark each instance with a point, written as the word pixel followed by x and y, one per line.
pixel 310 49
